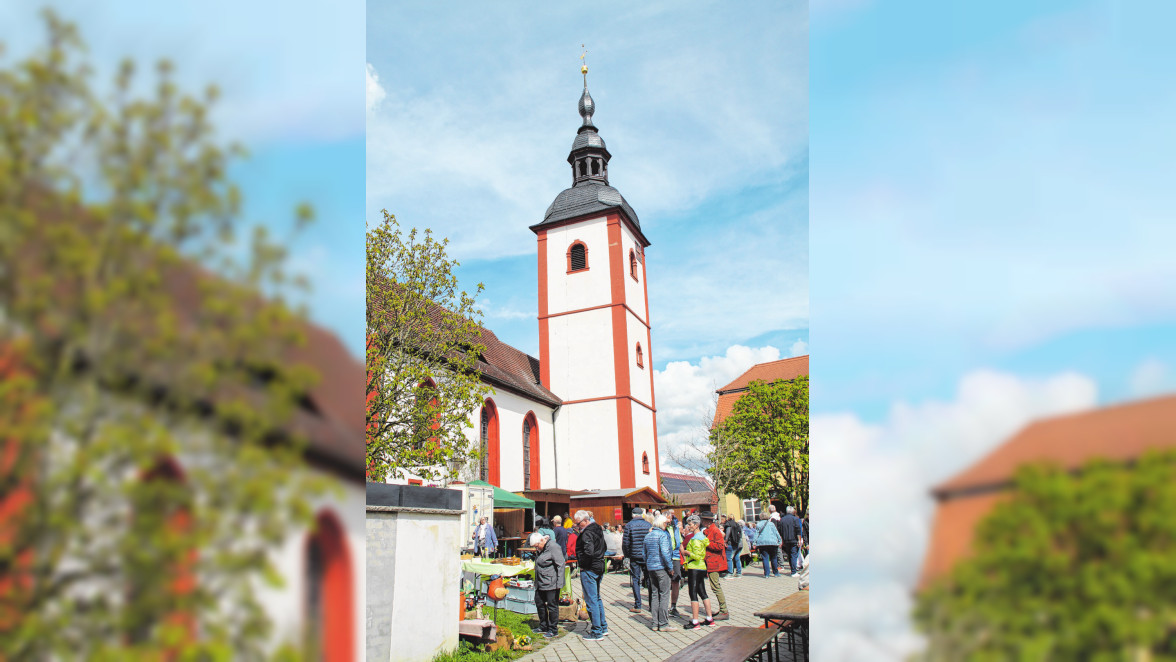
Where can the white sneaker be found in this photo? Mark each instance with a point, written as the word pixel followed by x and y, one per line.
pixel 795 574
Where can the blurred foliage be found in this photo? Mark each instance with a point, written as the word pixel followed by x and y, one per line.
pixel 1072 566
pixel 151 465
pixel 424 342
pixel 761 450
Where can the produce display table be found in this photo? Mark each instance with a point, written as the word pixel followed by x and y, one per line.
pixel 518 600
pixel 486 568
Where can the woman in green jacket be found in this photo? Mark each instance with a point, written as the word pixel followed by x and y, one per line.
pixel 695 566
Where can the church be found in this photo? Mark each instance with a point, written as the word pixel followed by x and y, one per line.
pixel 582 416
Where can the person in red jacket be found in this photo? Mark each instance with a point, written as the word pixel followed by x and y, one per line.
pixel 716 562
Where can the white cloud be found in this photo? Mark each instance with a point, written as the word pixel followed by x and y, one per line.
pixel 872 507
pixel 459 146
pixel 1150 377
pixel 286 71
pixel 494 312
pixel 686 391
pixel 375 91
pixel 799 348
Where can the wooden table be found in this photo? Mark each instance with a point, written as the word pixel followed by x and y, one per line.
pixel 506 547
pixel 731 644
pixel 791 614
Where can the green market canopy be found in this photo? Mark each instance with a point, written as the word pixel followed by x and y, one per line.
pixel 504 499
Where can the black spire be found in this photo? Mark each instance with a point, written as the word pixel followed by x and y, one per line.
pixel 589 157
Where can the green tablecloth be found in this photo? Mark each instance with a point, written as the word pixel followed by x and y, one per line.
pixel 476 566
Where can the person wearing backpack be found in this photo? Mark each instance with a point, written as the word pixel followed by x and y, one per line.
pixel 734 535
pixel 767 542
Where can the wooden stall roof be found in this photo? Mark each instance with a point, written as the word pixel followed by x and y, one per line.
pixel 634 495
pixel 560 495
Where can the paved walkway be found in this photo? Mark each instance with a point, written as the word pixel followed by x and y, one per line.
pixel 630 638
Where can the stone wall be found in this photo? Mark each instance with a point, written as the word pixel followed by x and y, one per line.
pixel 413 578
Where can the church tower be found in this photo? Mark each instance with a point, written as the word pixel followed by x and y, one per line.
pixel 594 325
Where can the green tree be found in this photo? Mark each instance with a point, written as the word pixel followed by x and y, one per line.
pixel 153 465
pixel 761 450
pixel 1071 566
pixel 424 344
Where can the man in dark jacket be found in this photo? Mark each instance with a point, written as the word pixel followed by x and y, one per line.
pixel 561 534
pixel 633 546
pixel 792 533
pixel 734 535
pixel 590 556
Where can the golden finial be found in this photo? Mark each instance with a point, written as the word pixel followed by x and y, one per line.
pixel 583 64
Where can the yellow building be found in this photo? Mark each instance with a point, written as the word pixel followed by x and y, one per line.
pixel 785 369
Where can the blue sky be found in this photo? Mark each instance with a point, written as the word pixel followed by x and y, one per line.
pixel 292 93
pixel 705 114
pixel 991 244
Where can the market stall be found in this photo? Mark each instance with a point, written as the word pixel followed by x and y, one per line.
pixel 510 511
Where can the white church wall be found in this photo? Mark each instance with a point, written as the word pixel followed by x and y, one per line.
pixel 512 409
pixel 582 289
pixel 580 352
pixel 588 454
pixel 643 435
pixel 287 605
pixel 639 385
pixel 634 289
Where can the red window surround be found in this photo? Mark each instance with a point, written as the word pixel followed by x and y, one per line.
pixel 533 447
pixel 582 248
pixel 640 357
pixel 335 611
pixel 493 470
pixel 645 463
pixel 633 264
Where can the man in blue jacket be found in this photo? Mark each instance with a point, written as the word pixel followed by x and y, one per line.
pixel 633 547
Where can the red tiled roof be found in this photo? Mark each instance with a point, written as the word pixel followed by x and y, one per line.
pixel 785 369
pixel 334 425
pixel 502 365
pixel 1120 433
pixel 515 370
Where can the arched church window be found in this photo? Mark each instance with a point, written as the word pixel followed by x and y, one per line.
pixel 484 461
pixel 329 600
pixel 596 166
pixel 526 454
pixel 645 463
pixel 488 469
pixel 640 357
pixel 577 257
pixel 633 264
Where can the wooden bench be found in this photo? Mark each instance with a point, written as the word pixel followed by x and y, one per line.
pixel 732 644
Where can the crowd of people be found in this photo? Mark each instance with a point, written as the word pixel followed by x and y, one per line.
pixel 662 552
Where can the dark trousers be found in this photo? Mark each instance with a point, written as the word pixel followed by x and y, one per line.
pixel 635 569
pixel 547 602
pixel 792 553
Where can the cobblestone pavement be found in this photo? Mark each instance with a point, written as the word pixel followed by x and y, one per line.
pixel 629 637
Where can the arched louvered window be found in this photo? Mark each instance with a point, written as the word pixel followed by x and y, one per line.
pixel 645 463
pixel 577 257
pixel 640 357
pixel 633 264
pixel 526 454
